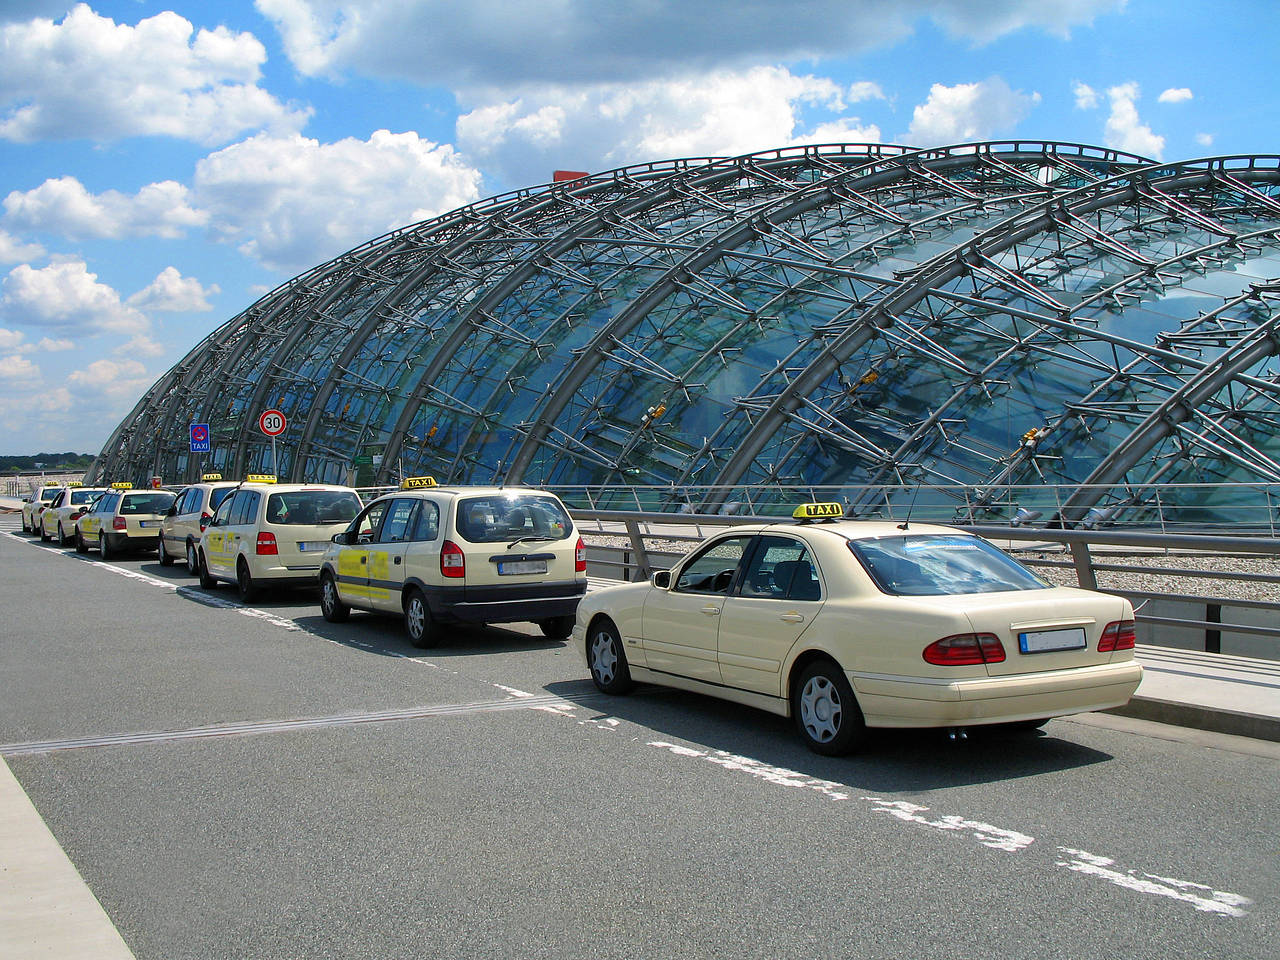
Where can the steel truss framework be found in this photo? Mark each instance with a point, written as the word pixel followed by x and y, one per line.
pixel 976 315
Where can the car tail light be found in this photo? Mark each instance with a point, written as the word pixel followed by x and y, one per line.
pixel 452 562
pixel 1120 635
pixel 580 557
pixel 118 523
pixel 76 515
pixel 267 544
pixel 965 649
pixel 204 520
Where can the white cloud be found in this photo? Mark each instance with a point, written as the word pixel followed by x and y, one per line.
pixel 55 346
pixel 1175 95
pixel 171 292
pixel 64 206
pixel 65 296
pixel 611 125
pixel 1086 96
pixel 115 380
pixel 88 76
pixel 19 369
pixel 865 90
pixel 13 250
pixel 1124 130
pixel 968 111
pixel 11 341
pixel 292 202
pixel 1204 139
pixel 587 42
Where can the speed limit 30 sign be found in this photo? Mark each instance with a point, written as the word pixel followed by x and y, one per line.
pixel 272 423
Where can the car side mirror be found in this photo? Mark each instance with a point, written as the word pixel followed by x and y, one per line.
pixel 662 579
pixel 172 511
pixel 339 537
pixel 26 499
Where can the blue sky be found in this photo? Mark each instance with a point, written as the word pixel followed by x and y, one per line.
pixel 162 165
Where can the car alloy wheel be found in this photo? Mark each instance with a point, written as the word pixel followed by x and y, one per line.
pixel 165 559
pixel 606 659
pixel 422 632
pixel 247 589
pixel 207 580
pixel 331 605
pixel 81 546
pixel 193 560
pixel 104 545
pixel 826 711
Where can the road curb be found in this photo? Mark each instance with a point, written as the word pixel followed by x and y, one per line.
pixel 1201 718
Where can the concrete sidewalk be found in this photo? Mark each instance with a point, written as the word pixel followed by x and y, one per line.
pixel 1208 691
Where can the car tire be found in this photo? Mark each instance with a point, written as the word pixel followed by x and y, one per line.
pixel 26 528
pixel 606 659
pixel 207 580
pixel 165 559
pixel 331 605
pixel 423 632
pixel 44 537
pixel 193 559
pixel 81 546
pixel 826 711
pixel 63 539
pixel 556 628
pixel 245 586
pixel 104 546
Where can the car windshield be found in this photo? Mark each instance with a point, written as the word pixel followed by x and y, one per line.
pixel 508 517
pixel 931 565
pixel 157 502
pixel 311 507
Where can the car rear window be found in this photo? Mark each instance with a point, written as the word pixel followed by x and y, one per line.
pixel 84 496
pixel 310 507
pixel 146 502
pixel 217 496
pixel 506 517
pixel 931 565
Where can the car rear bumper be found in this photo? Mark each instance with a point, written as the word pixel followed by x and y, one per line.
pixel 908 702
pixel 505 604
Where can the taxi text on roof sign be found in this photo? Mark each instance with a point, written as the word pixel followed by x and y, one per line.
pixel 122 485
pixel 75 483
pixel 414 483
pixel 818 511
pixel 260 478
pixel 209 477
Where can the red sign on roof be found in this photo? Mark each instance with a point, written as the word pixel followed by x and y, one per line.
pixel 561 175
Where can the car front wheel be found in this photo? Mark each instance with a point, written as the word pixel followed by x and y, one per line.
pixel 193 560
pixel 207 579
pixel 606 659
pixel 826 711
pixel 331 605
pixel 165 559
pixel 81 546
pixel 423 632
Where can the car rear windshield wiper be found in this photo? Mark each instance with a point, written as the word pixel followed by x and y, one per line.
pixel 528 540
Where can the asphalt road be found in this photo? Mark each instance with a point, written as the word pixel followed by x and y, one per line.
pixel 257 783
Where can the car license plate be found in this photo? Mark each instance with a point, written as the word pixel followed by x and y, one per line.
pixel 305 545
pixel 521 566
pixel 148 523
pixel 1046 641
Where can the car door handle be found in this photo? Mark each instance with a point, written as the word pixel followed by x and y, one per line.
pixel 364 559
pixel 711 611
pixel 398 559
pixel 792 617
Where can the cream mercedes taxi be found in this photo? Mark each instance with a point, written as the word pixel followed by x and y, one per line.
pixel 441 554
pixel 123 519
pixel 272 534
pixel 846 625
pixel 32 506
pixel 185 521
pixel 58 520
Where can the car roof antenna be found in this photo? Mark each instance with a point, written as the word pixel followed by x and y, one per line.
pixel 905 523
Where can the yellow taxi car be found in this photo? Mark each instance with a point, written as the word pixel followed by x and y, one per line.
pixel 123 519
pixel 32 506
pixel 185 521
pixel 58 520
pixel 272 533
pixel 440 555
pixel 846 625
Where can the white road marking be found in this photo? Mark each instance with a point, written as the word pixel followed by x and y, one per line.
pixel 778 776
pixel 995 837
pixel 1187 891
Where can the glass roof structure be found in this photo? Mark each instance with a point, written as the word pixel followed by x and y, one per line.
pixel 856 316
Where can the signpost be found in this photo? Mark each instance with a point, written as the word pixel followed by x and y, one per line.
pixel 200 438
pixel 272 423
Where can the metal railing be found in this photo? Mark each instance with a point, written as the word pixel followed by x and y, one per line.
pixel 654 541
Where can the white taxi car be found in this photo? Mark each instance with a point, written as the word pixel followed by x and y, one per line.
pixel 40 498
pixel 441 555
pixel 846 625
pixel 123 519
pixel 185 521
pixel 58 520
pixel 269 533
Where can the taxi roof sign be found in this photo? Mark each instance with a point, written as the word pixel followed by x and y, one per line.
pixel 417 483
pixel 122 485
pixel 207 477
pixel 75 483
pixel 818 511
pixel 260 478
